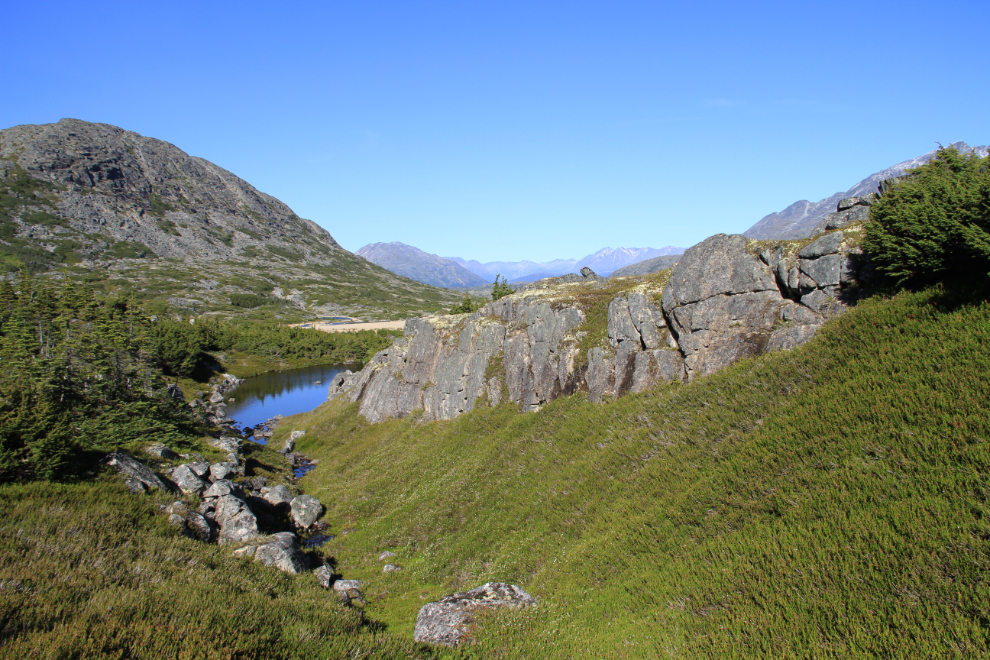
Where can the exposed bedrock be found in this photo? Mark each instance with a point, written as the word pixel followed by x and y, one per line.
pixel 441 363
pixel 727 298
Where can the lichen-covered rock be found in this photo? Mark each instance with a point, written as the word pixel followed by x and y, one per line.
pixel 722 303
pixel 324 576
pixel 219 489
pixel 187 480
pixel 306 510
pixel 225 470
pixel 227 443
pixel 242 527
pixel 450 619
pixel 204 529
pixel 237 522
pixel 277 495
pixel 137 477
pixel 282 551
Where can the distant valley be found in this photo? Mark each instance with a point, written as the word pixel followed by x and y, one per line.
pixel 457 272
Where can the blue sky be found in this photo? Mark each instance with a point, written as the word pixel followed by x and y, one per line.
pixel 516 130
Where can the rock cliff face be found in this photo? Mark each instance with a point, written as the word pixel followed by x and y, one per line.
pixel 727 298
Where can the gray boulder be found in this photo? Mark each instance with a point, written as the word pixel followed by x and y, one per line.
pixel 219 489
pixel 200 468
pixel 221 471
pixel 344 585
pixel 204 529
pixel 137 477
pixel 187 480
pixel 306 509
pixel 237 522
pixel 277 495
pixel 324 576
pixel 227 444
pixel 450 619
pixel 282 551
pixel 242 527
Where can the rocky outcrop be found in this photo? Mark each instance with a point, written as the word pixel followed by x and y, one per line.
pixel 440 364
pixel 727 298
pixel 722 303
pixel 449 620
pixel 848 211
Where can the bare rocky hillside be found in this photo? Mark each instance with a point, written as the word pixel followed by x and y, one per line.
pixel 96 197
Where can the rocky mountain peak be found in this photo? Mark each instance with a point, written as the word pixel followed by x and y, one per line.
pixel 119 186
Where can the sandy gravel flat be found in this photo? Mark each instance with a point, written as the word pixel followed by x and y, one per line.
pixel 354 327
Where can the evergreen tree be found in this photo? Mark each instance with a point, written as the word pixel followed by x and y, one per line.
pixel 501 289
pixel 934 224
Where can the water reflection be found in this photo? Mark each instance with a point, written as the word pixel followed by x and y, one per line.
pixel 283 393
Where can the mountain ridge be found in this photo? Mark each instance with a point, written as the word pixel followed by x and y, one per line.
pixel 799 219
pixel 418 265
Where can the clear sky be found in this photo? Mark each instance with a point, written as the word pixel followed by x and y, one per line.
pixel 516 130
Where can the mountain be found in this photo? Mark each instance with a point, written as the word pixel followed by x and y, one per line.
pixel 799 219
pixel 421 266
pixel 138 214
pixel 603 262
pixel 647 266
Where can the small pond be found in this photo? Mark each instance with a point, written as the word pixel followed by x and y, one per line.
pixel 285 393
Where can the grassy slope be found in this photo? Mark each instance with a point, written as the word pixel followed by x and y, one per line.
pixel 826 502
pixel 89 570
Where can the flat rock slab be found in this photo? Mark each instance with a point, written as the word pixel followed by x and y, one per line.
pixel 449 620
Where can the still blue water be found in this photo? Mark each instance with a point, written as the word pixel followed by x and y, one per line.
pixel 283 393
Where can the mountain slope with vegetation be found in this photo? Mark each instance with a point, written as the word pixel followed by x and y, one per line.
pixel 141 216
